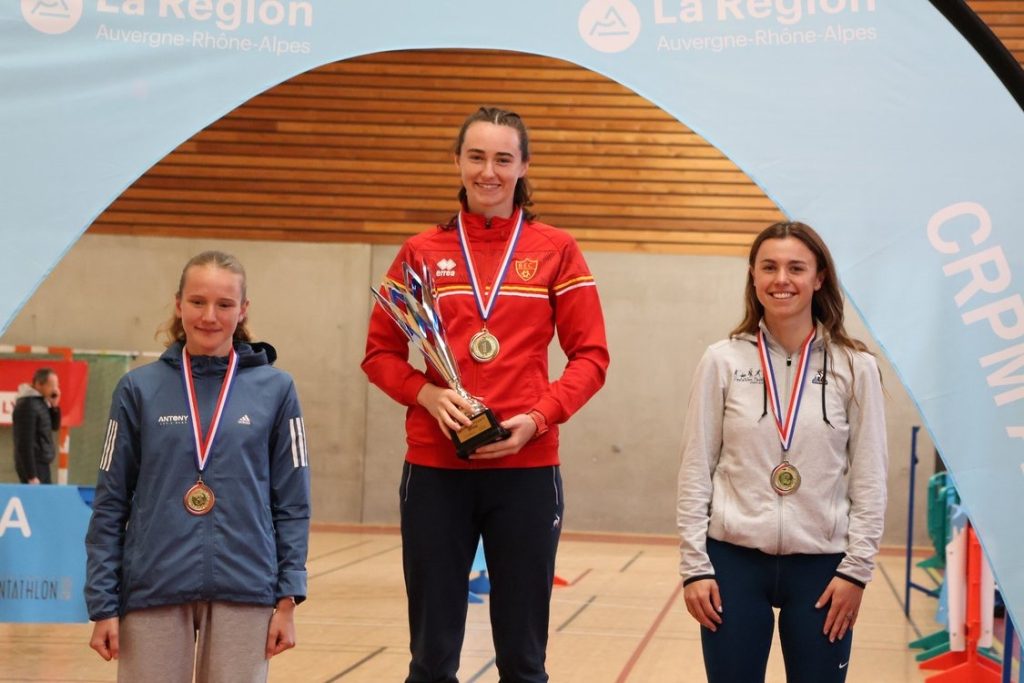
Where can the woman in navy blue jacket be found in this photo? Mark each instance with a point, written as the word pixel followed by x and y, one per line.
pixel 200 523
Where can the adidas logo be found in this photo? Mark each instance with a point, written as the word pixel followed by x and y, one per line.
pixel 445 268
pixel 244 420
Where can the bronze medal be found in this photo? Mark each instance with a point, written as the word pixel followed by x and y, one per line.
pixel 484 346
pixel 199 499
pixel 785 479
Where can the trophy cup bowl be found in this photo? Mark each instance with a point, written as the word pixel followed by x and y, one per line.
pixel 412 305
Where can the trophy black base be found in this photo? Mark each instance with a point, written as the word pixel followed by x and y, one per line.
pixel 483 429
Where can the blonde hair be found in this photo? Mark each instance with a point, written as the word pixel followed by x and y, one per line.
pixel 173 330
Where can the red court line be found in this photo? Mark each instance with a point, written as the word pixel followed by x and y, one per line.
pixel 650 634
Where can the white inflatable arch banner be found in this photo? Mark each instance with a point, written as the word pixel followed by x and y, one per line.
pixel 876 121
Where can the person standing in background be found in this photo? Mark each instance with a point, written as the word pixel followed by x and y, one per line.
pixel 35 418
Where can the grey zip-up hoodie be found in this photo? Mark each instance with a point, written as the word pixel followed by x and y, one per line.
pixel 730 448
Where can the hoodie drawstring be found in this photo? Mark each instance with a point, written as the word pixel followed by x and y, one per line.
pixel 824 381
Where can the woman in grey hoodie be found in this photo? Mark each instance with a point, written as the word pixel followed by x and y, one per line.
pixel 782 485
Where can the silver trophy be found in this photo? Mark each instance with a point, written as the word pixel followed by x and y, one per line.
pixel 413 307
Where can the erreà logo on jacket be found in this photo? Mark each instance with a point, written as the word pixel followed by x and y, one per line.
pixel 445 268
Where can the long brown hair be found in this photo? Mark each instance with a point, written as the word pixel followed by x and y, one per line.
pixel 827 302
pixel 523 195
pixel 173 330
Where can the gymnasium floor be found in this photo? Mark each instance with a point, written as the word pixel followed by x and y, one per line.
pixel 620 619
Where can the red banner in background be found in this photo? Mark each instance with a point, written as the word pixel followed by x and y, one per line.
pixel 73 375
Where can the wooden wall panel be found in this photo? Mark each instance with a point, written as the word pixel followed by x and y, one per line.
pixel 1006 19
pixel 360 150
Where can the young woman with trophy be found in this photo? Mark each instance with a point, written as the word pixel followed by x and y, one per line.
pixel 782 486
pixel 197 542
pixel 481 297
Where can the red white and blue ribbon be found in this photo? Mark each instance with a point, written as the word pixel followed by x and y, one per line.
pixel 786 425
pixel 485 307
pixel 203 444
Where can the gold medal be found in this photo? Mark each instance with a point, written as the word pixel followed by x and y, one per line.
pixel 785 479
pixel 484 346
pixel 199 499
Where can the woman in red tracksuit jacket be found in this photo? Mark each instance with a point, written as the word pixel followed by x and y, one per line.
pixel 503 275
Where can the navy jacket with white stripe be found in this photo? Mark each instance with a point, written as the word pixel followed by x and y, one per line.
pixel 144 548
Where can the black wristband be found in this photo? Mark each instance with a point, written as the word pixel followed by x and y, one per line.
pixel 699 577
pixel 852 580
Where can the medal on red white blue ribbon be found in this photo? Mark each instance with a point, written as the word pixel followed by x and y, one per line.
pixel 785 478
pixel 199 499
pixel 484 346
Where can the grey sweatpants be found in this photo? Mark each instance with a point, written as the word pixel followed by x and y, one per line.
pixel 224 642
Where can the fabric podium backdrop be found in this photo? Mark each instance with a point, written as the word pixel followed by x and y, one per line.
pixel 873 120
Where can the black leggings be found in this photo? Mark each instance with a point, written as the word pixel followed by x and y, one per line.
pixel 518 512
pixel 751 583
